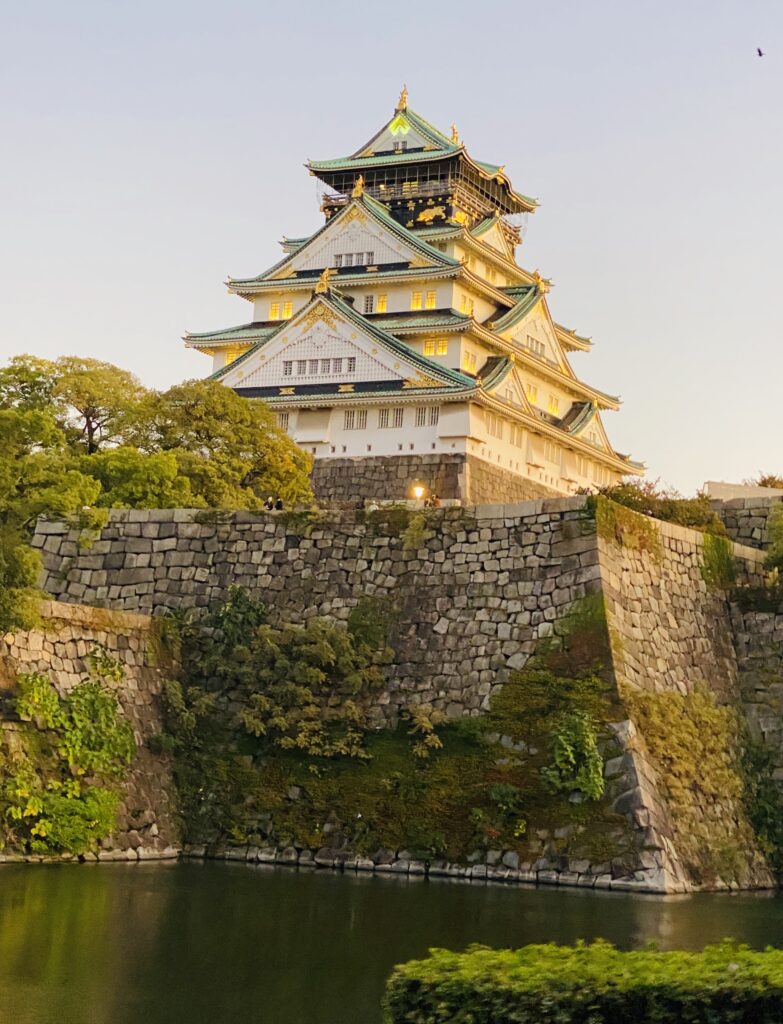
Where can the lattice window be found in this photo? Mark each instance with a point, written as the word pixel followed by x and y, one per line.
pixel 274 311
pixel 282 420
pixel 351 367
pixel 443 346
pixel 421 416
pixel 301 367
pixel 429 347
pixel 288 367
pixel 288 310
pixel 337 366
pixel 399 414
pixel 369 303
pixel 383 419
pixel 431 300
pixel 415 300
pixel 313 367
pixel 551 452
pixel 326 365
pixel 434 415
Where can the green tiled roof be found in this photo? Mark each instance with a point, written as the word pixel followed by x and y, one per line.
pixel 525 303
pixel 379 212
pixel 246 332
pixel 436 319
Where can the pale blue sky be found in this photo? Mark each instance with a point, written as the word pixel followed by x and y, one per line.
pixel 147 150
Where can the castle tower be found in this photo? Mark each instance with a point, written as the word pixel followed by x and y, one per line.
pixel 403 345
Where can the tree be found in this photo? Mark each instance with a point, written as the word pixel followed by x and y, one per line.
pixel 27 383
pixel 231 449
pixel 133 479
pixel 99 400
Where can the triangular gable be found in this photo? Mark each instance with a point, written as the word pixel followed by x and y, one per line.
pixel 593 431
pixel 324 337
pixel 534 332
pixel 488 233
pixel 511 389
pixel 408 128
pixel 363 227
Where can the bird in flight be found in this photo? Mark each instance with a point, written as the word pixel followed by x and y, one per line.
pixel 759 51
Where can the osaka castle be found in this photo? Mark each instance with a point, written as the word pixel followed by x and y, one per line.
pixel 403 345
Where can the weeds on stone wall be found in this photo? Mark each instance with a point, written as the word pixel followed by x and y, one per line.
pixel 764 801
pixel 668 505
pixel 320 773
pixel 718 565
pixel 621 525
pixel 696 748
pixel 60 771
pixel 774 558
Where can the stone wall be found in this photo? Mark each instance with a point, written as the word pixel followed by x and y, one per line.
pixel 59 649
pixel 671 637
pixel 759 644
pixel 452 476
pixel 468 592
pixel 745 519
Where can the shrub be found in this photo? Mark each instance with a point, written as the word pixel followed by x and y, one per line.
pixel 667 504
pixel 718 566
pixel 593 984
pixel 775 538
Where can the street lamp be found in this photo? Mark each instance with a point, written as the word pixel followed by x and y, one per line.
pixel 418 492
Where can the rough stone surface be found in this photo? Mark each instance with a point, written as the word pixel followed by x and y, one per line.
pixel 745 519
pixel 59 650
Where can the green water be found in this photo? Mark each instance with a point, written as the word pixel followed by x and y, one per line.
pixel 220 943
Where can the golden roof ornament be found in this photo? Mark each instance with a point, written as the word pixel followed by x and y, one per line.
pixel 454 135
pixel 402 102
pixel 323 287
pixel 358 187
pixel 541 283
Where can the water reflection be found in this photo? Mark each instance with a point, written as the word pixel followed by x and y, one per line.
pixel 226 942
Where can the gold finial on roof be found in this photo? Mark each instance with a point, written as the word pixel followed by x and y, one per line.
pixel 541 283
pixel 454 134
pixel 358 187
pixel 323 287
pixel 402 102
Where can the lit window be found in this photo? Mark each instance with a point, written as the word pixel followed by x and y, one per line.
pixel 337 366
pixel 491 274
pixel 532 392
pixel 466 305
pixel 469 361
pixel 416 300
pixel 301 366
pixel 313 366
pixel 288 310
pixel 369 303
pixel 274 311
pixel 443 346
pixel 551 451
pixel 554 404
pixel 434 414
pixel 325 364
pixel 382 304
pixel 282 420
pixel 288 367
pixel 421 416
pixel 398 416
pixel 383 418
pixel 430 300
pixel 429 347
pixel 399 147
pixel 351 368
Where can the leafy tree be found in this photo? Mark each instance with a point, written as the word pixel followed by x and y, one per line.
pixel 230 448
pixel 132 479
pixel 767 480
pixel 99 399
pixel 27 383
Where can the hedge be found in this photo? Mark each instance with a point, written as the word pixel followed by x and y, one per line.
pixel 588 984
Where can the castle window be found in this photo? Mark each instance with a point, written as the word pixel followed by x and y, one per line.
pixel 430 300
pixel 301 366
pixel 466 305
pixel 443 346
pixel 348 259
pixel 382 304
pixel 517 435
pixel 351 367
pixel 551 451
pixel 532 392
pixel 313 366
pixel 399 414
pixel 325 364
pixel 416 300
pixel 554 404
pixel 274 311
pixel 429 347
pixel 434 415
pixel 288 310
pixel 491 274
pixel 421 416
pixel 494 425
pixel 537 347
pixel 383 419
pixel 469 361
pixel 338 260
pixel 337 366
pixel 369 303
pixel 282 420
pixel 400 146
pixel 354 419
pixel 288 367
pixel 368 258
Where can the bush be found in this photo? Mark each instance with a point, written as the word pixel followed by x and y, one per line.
pixel 594 984
pixel 668 505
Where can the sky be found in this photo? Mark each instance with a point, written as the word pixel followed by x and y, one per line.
pixel 149 150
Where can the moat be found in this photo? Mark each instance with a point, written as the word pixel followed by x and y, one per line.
pixel 223 943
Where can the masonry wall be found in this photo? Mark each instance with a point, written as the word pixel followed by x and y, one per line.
pixel 745 519
pixel 469 479
pixel 469 594
pixel 59 649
